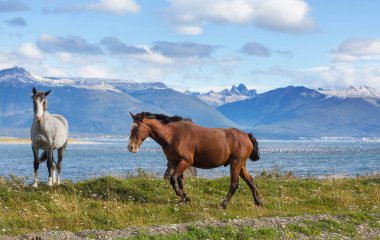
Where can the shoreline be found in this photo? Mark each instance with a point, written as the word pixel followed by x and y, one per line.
pixel 11 140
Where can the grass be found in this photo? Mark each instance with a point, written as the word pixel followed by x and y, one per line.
pixel 115 203
pixel 216 233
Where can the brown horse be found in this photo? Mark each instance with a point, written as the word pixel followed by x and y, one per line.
pixel 186 144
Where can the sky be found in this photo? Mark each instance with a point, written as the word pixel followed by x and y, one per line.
pixel 197 45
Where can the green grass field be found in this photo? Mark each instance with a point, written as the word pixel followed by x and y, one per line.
pixel 116 203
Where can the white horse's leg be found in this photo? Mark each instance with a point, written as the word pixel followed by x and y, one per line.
pixel 36 165
pixel 54 172
pixel 60 158
pixel 53 176
pixel 35 183
pixel 50 165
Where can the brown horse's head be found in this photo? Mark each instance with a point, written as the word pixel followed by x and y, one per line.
pixel 139 132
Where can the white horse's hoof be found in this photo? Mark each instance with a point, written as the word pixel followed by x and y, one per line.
pixel 35 185
pixel 50 182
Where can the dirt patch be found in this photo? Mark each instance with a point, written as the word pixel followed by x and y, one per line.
pixel 364 230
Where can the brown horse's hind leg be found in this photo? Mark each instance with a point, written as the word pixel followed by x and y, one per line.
pixel 176 180
pixel 169 171
pixel 234 184
pixel 180 182
pixel 249 180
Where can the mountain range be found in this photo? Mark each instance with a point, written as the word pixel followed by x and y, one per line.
pixel 101 106
pixel 293 112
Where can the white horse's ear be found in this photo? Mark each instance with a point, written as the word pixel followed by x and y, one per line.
pixel 34 90
pixel 47 93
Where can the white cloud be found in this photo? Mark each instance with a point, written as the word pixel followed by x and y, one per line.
pixel 189 30
pixel 152 57
pixel 189 16
pixel 283 15
pixel 93 71
pixel 327 77
pixel 118 7
pixel 29 50
pixel 73 59
pixel 70 44
pixel 340 76
pixel 357 49
pixel 343 76
pixel 54 71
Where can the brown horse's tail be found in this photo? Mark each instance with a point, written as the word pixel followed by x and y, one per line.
pixel 255 155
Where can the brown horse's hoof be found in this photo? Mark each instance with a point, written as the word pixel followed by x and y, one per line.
pixel 224 204
pixel 259 204
pixel 258 207
pixel 186 199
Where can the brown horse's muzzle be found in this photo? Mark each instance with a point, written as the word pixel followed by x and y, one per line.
pixel 133 148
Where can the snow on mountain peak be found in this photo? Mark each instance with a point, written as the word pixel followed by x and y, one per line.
pixel 236 93
pixel 362 91
pixel 18 76
pixel 14 71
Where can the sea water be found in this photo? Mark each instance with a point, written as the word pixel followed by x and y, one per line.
pixel 111 157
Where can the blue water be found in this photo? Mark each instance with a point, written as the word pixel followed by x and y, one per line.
pixel 111 157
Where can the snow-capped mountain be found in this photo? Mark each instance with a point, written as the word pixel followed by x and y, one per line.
pixel 293 112
pixel 353 92
pixel 236 93
pixel 17 75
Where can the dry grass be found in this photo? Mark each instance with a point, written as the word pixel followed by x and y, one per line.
pixel 114 203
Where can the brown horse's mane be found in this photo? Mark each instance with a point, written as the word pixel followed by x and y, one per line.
pixel 164 119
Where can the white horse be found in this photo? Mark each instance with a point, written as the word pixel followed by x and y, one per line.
pixel 49 132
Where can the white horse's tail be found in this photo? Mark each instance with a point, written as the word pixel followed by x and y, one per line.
pixel 43 157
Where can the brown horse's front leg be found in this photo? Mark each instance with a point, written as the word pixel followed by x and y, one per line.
pixel 176 180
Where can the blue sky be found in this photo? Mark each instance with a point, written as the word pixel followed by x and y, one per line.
pixel 197 44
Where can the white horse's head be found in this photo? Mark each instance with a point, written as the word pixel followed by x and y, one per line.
pixel 39 103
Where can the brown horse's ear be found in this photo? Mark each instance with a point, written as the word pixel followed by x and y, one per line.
pixel 34 90
pixel 132 115
pixel 47 93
